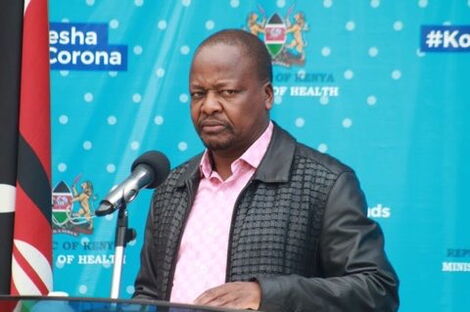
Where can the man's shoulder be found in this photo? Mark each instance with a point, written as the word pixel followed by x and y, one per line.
pixel 287 154
pixel 323 160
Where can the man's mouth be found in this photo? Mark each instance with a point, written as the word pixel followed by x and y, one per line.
pixel 212 126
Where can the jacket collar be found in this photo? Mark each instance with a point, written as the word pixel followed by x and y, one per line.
pixel 274 168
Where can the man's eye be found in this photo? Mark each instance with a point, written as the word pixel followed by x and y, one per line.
pixel 197 95
pixel 228 92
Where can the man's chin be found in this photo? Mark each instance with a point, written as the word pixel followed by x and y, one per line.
pixel 214 145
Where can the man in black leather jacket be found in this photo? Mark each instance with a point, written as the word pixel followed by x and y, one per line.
pixel 299 237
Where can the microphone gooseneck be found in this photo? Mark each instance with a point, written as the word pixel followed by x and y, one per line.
pixel 148 171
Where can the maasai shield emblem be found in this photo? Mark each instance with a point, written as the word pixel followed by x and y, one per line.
pixel 275 35
pixel 61 204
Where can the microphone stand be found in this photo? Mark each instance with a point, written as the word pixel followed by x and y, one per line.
pixel 123 236
pixel 149 170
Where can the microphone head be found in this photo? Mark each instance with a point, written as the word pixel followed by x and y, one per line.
pixel 159 164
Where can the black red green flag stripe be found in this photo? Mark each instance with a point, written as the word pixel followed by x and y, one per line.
pixel 25 194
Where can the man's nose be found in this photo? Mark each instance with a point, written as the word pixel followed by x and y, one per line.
pixel 211 103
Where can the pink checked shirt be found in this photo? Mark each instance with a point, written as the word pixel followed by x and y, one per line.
pixel 202 257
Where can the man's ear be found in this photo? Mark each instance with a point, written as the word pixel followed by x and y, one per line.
pixel 268 95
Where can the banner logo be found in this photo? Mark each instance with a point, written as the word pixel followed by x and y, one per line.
pixel 445 38
pixel 458 260
pixel 79 46
pixel 72 208
pixel 379 211
pixel 283 37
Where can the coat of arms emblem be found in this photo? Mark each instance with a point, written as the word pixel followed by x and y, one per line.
pixel 283 36
pixel 69 219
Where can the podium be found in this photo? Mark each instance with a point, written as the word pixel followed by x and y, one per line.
pixel 71 304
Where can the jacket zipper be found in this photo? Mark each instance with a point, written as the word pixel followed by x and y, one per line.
pixel 175 255
pixel 229 248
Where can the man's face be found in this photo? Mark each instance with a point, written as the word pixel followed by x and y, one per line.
pixel 229 103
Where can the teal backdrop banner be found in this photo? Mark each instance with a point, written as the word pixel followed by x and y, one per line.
pixel 382 85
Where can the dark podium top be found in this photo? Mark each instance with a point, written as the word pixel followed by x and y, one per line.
pixel 71 304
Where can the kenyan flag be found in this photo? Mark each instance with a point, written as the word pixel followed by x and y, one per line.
pixel 275 35
pixel 25 148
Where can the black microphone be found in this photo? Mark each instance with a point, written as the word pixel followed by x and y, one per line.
pixel 149 170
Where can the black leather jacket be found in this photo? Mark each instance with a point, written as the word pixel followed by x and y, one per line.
pixel 299 228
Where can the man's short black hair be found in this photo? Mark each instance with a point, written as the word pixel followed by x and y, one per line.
pixel 252 46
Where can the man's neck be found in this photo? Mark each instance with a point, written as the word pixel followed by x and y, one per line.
pixel 222 164
pixel 221 161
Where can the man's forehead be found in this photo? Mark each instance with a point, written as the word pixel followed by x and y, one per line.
pixel 216 83
pixel 225 56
